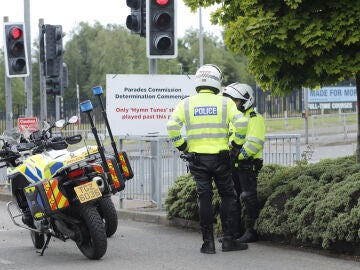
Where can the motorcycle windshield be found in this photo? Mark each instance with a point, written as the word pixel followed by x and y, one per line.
pixel 11 136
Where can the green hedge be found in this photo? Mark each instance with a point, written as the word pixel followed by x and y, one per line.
pixel 315 205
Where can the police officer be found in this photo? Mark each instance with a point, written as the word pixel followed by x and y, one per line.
pixel 247 158
pixel 206 117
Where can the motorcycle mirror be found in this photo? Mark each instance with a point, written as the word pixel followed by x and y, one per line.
pixel 60 123
pixel 73 119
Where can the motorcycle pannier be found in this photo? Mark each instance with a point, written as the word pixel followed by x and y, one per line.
pixel 125 165
pixel 116 177
pixel 44 198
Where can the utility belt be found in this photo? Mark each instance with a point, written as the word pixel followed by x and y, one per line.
pixel 250 164
pixel 194 158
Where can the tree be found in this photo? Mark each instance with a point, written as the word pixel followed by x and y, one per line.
pixel 292 44
pixel 94 51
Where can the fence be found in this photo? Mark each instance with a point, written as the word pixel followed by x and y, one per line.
pixel 156 163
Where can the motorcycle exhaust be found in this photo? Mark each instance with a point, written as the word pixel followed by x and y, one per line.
pixel 100 182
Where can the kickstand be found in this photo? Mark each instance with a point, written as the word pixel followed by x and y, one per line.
pixel 48 237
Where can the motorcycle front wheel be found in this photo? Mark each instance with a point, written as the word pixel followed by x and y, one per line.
pixel 93 240
pixel 108 213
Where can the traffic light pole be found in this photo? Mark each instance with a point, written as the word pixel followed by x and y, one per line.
pixel 28 79
pixel 43 105
pixel 152 66
pixel 8 97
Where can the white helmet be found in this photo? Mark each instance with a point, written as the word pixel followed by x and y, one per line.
pixel 240 91
pixel 208 77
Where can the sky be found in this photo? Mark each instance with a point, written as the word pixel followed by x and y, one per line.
pixel 69 13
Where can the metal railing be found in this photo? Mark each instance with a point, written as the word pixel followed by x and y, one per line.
pixel 156 163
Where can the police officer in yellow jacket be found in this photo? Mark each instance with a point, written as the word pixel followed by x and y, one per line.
pixel 206 117
pixel 247 157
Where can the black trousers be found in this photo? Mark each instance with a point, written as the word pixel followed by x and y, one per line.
pixel 245 182
pixel 206 169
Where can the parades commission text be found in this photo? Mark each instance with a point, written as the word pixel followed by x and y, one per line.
pixel 143 93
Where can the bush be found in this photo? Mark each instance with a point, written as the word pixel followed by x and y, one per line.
pixel 315 205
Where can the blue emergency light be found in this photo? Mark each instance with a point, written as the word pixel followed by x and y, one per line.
pixel 86 106
pixel 97 91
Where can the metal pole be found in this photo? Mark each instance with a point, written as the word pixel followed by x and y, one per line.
pixel 43 105
pixel 152 66
pixel 78 101
pixel 28 80
pixel 306 108
pixel 201 45
pixel 57 107
pixel 8 97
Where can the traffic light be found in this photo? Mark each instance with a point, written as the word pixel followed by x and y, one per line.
pixel 161 36
pixel 136 20
pixel 53 86
pixel 53 50
pixel 16 61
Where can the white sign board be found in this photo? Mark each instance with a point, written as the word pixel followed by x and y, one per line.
pixel 142 104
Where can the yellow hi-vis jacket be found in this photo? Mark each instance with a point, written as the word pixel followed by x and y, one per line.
pixel 206 118
pixel 251 135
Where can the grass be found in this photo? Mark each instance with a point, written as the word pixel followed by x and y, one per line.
pixel 315 121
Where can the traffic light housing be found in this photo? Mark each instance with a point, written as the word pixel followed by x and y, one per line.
pixel 53 50
pixel 16 61
pixel 136 21
pixel 54 86
pixel 161 33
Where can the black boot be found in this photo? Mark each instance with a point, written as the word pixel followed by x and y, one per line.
pixel 208 246
pixel 230 244
pixel 249 236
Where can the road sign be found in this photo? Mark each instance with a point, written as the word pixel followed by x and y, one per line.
pixel 27 124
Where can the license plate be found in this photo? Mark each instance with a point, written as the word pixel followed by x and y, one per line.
pixel 87 192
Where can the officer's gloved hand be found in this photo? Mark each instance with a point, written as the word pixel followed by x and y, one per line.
pixel 183 148
pixel 234 153
pixel 234 150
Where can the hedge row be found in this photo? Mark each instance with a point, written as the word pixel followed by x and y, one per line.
pixel 314 205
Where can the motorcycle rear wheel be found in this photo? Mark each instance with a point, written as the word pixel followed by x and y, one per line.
pixel 108 214
pixel 93 243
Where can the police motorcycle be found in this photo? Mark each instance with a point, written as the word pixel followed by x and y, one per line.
pixel 55 196
pixel 105 205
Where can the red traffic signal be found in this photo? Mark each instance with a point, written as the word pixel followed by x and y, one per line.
pixel 16 33
pixel 162 2
pixel 16 63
